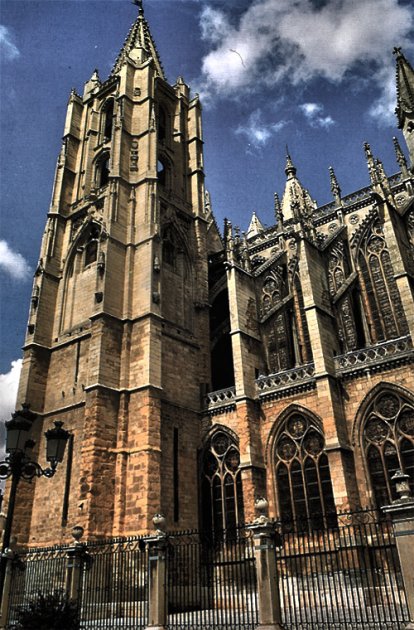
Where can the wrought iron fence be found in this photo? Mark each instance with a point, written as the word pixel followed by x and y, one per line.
pixel 113 590
pixel 347 576
pixel 211 581
pixel 36 571
pixel 335 573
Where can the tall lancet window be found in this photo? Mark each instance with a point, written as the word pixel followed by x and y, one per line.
pixel 388 443
pixel 107 120
pixel 91 246
pixel 303 479
pixel 162 124
pixel 385 312
pixel 102 170
pixel 221 485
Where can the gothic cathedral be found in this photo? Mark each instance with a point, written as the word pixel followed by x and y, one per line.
pixel 197 371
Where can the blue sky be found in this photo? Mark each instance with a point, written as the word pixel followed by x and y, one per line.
pixel 317 75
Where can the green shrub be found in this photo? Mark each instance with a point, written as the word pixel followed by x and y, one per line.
pixel 48 612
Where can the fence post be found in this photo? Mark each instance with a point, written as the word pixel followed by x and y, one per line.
pixel 402 514
pixel 157 600
pixel 75 559
pixel 5 599
pixel 265 541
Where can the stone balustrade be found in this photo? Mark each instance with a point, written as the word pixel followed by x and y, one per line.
pixel 298 377
pixel 303 377
pixel 221 400
pixel 374 357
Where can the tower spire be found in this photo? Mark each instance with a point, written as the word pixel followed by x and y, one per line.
pixel 405 86
pixel 139 44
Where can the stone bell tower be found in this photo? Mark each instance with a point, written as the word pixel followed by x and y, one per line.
pixel 119 316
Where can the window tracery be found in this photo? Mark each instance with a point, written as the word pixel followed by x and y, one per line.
pixel 302 476
pixel 386 315
pixel 348 313
pixel 284 319
pixel 221 485
pixel 273 289
pixel 388 443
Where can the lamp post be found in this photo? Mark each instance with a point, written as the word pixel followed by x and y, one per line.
pixel 18 464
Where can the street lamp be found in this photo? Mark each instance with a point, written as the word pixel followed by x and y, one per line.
pixel 18 464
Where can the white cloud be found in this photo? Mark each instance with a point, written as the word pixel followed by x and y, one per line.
pixel 313 113
pixel 257 131
pixel 7 45
pixel 383 109
pixel 280 40
pixel 13 262
pixel 8 392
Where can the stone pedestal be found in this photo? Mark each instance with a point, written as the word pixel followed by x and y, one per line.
pixel 265 539
pixel 9 557
pixel 75 560
pixel 157 596
pixel 402 514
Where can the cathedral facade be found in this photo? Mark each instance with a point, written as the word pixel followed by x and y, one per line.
pixel 195 371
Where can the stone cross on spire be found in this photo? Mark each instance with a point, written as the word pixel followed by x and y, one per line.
pixel 140 6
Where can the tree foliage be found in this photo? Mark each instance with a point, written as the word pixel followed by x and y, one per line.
pixel 54 611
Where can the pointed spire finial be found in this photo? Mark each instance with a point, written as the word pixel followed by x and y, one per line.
pixel 401 161
pixel 335 188
pixel 278 207
pixel 278 210
pixel 290 170
pixel 140 6
pixel 372 168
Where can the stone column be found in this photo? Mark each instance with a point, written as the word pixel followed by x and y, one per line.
pixel 75 559
pixel 402 514
pixel 157 596
pixel 266 539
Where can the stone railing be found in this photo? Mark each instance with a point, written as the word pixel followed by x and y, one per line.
pixel 298 378
pixel 221 400
pixel 376 356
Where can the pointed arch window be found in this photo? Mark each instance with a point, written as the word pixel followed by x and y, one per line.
pixel 161 172
pixel 107 120
pixel 385 312
pixel 221 485
pixel 348 312
pixel 91 246
pixel 177 278
pixel 303 480
pixel 102 170
pixel 388 443
pixel 162 124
